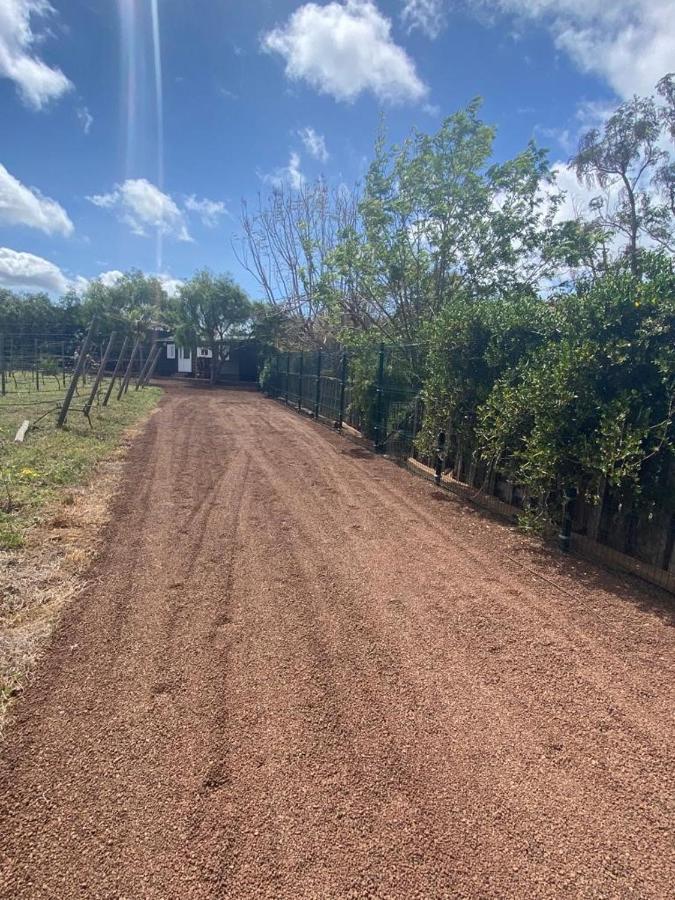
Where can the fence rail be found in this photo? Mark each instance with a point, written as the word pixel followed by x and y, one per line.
pixel 373 396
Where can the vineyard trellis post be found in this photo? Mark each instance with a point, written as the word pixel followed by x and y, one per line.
pixel 127 375
pixel 99 375
pixel 79 366
pixel 141 375
pixel 153 364
pixel 118 366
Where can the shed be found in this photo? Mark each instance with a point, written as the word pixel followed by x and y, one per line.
pixel 239 361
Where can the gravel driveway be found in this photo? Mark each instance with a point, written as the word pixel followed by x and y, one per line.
pixel 297 671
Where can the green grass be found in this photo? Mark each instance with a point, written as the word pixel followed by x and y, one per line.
pixel 40 470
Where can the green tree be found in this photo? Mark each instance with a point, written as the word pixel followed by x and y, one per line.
pixel 627 159
pixel 135 302
pixel 596 401
pixel 437 217
pixel 209 310
pixel 470 345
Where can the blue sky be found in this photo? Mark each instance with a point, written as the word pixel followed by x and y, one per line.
pixel 97 176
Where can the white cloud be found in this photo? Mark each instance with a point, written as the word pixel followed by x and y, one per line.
pixel 628 43
pixel 291 174
pixel 24 270
pixel 427 16
pixel 21 205
pixel 79 284
pixel 209 211
pixel 577 195
pixel 110 279
pixel 85 118
pixel 315 143
pixel 142 206
pixel 36 82
pixel 344 49
pixel 593 114
pixel 589 114
pixel 170 285
pixel 431 109
pixel 577 200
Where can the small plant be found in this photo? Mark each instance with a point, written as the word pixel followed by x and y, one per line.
pixel 7 504
pixel 10 538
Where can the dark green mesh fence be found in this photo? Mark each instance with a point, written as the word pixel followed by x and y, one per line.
pixel 373 395
pixel 368 390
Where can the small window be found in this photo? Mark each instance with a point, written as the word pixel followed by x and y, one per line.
pixel 170 351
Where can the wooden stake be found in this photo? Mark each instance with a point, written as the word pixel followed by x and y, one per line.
pixel 124 387
pixel 118 366
pixel 21 433
pixel 68 399
pixel 99 376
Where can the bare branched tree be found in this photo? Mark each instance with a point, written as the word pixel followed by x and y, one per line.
pixel 286 244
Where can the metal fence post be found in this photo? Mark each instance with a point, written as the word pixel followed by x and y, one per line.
pixel 343 385
pixel 127 375
pixel 379 443
pixel 36 363
pixel 300 376
pixel 118 365
pixel 68 399
pixel 288 372
pixel 317 398
pixel 99 376
pixel 3 384
pixel 416 411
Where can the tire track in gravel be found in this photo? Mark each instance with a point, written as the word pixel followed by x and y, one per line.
pixel 578 687
pixel 572 638
pixel 296 674
pixel 487 692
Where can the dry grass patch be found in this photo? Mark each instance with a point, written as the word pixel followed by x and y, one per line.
pixel 58 530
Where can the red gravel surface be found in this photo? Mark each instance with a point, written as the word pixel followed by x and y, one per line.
pixel 298 671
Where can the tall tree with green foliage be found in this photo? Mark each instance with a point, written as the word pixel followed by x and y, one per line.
pixel 470 345
pixel 595 403
pixel 135 302
pixel 439 217
pixel 209 310
pixel 627 159
pixel 38 313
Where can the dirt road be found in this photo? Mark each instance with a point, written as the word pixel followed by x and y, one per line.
pixel 297 671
